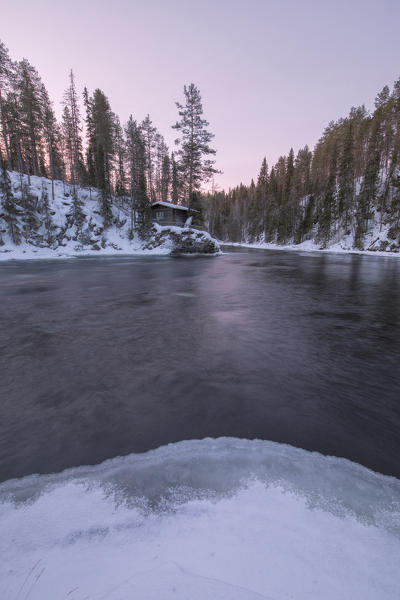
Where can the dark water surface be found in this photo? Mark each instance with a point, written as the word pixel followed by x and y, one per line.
pixel 105 356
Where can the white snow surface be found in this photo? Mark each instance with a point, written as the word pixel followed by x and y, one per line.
pixel 341 247
pixel 203 519
pixel 169 205
pixel 114 241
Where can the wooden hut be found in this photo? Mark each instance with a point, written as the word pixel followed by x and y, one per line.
pixel 166 213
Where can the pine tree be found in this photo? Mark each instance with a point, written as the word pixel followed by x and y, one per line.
pixel 149 134
pixel 328 213
pixel 5 74
pixel 103 124
pixel 90 136
pixel 143 208
pixel 53 139
pixel 194 142
pixel 72 133
pixel 306 226
pixel 165 177
pixel 161 169
pixel 175 180
pixel 368 191
pixel 394 231
pixel 120 184
pixel 284 170
pixel 346 177
pixel 140 211
pixel 28 86
pixel 68 144
pixel 271 215
pixel 258 203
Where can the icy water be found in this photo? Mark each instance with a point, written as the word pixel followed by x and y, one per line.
pixel 102 357
pixel 116 358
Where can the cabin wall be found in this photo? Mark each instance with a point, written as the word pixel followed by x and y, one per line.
pixel 169 216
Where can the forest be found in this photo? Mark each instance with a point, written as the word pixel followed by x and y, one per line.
pixel 347 188
pixel 128 165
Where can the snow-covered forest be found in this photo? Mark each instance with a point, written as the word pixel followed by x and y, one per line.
pixel 345 193
pixel 89 179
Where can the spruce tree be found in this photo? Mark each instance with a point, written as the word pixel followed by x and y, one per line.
pixel 31 224
pixel 196 210
pixel 194 152
pixel 76 216
pixel 49 227
pixel 10 211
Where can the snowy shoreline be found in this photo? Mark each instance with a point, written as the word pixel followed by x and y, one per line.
pixel 35 253
pixel 311 247
pixel 53 231
pixel 48 254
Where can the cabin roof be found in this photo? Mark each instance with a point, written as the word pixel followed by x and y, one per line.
pixel 170 205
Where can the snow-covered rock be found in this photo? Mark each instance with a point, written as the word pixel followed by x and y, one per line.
pixel 184 241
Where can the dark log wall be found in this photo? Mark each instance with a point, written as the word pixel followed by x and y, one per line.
pixel 170 216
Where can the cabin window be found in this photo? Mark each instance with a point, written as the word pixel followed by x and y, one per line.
pixel 160 214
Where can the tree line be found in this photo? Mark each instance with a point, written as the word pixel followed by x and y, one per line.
pixel 89 147
pixel 348 182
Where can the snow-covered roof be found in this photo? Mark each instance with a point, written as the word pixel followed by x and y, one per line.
pixel 170 205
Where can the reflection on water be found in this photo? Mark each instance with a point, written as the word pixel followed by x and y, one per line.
pixel 107 356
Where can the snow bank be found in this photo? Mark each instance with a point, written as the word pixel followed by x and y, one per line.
pixel 311 246
pixel 184 241
pixel 221 519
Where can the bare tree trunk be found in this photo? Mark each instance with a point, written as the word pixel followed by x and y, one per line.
pixel 3 127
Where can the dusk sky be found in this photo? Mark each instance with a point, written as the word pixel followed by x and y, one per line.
pixel 271 74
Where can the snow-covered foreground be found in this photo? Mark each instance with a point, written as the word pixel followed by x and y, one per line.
pixel 219 519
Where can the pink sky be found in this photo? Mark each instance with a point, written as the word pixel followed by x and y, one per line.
pixel 271 74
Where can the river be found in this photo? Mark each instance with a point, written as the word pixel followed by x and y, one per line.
pixel 126 384
pixel 106 356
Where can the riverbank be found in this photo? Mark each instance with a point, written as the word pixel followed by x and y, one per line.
pixel 310 246
pixel 164 241
pixel 54 220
